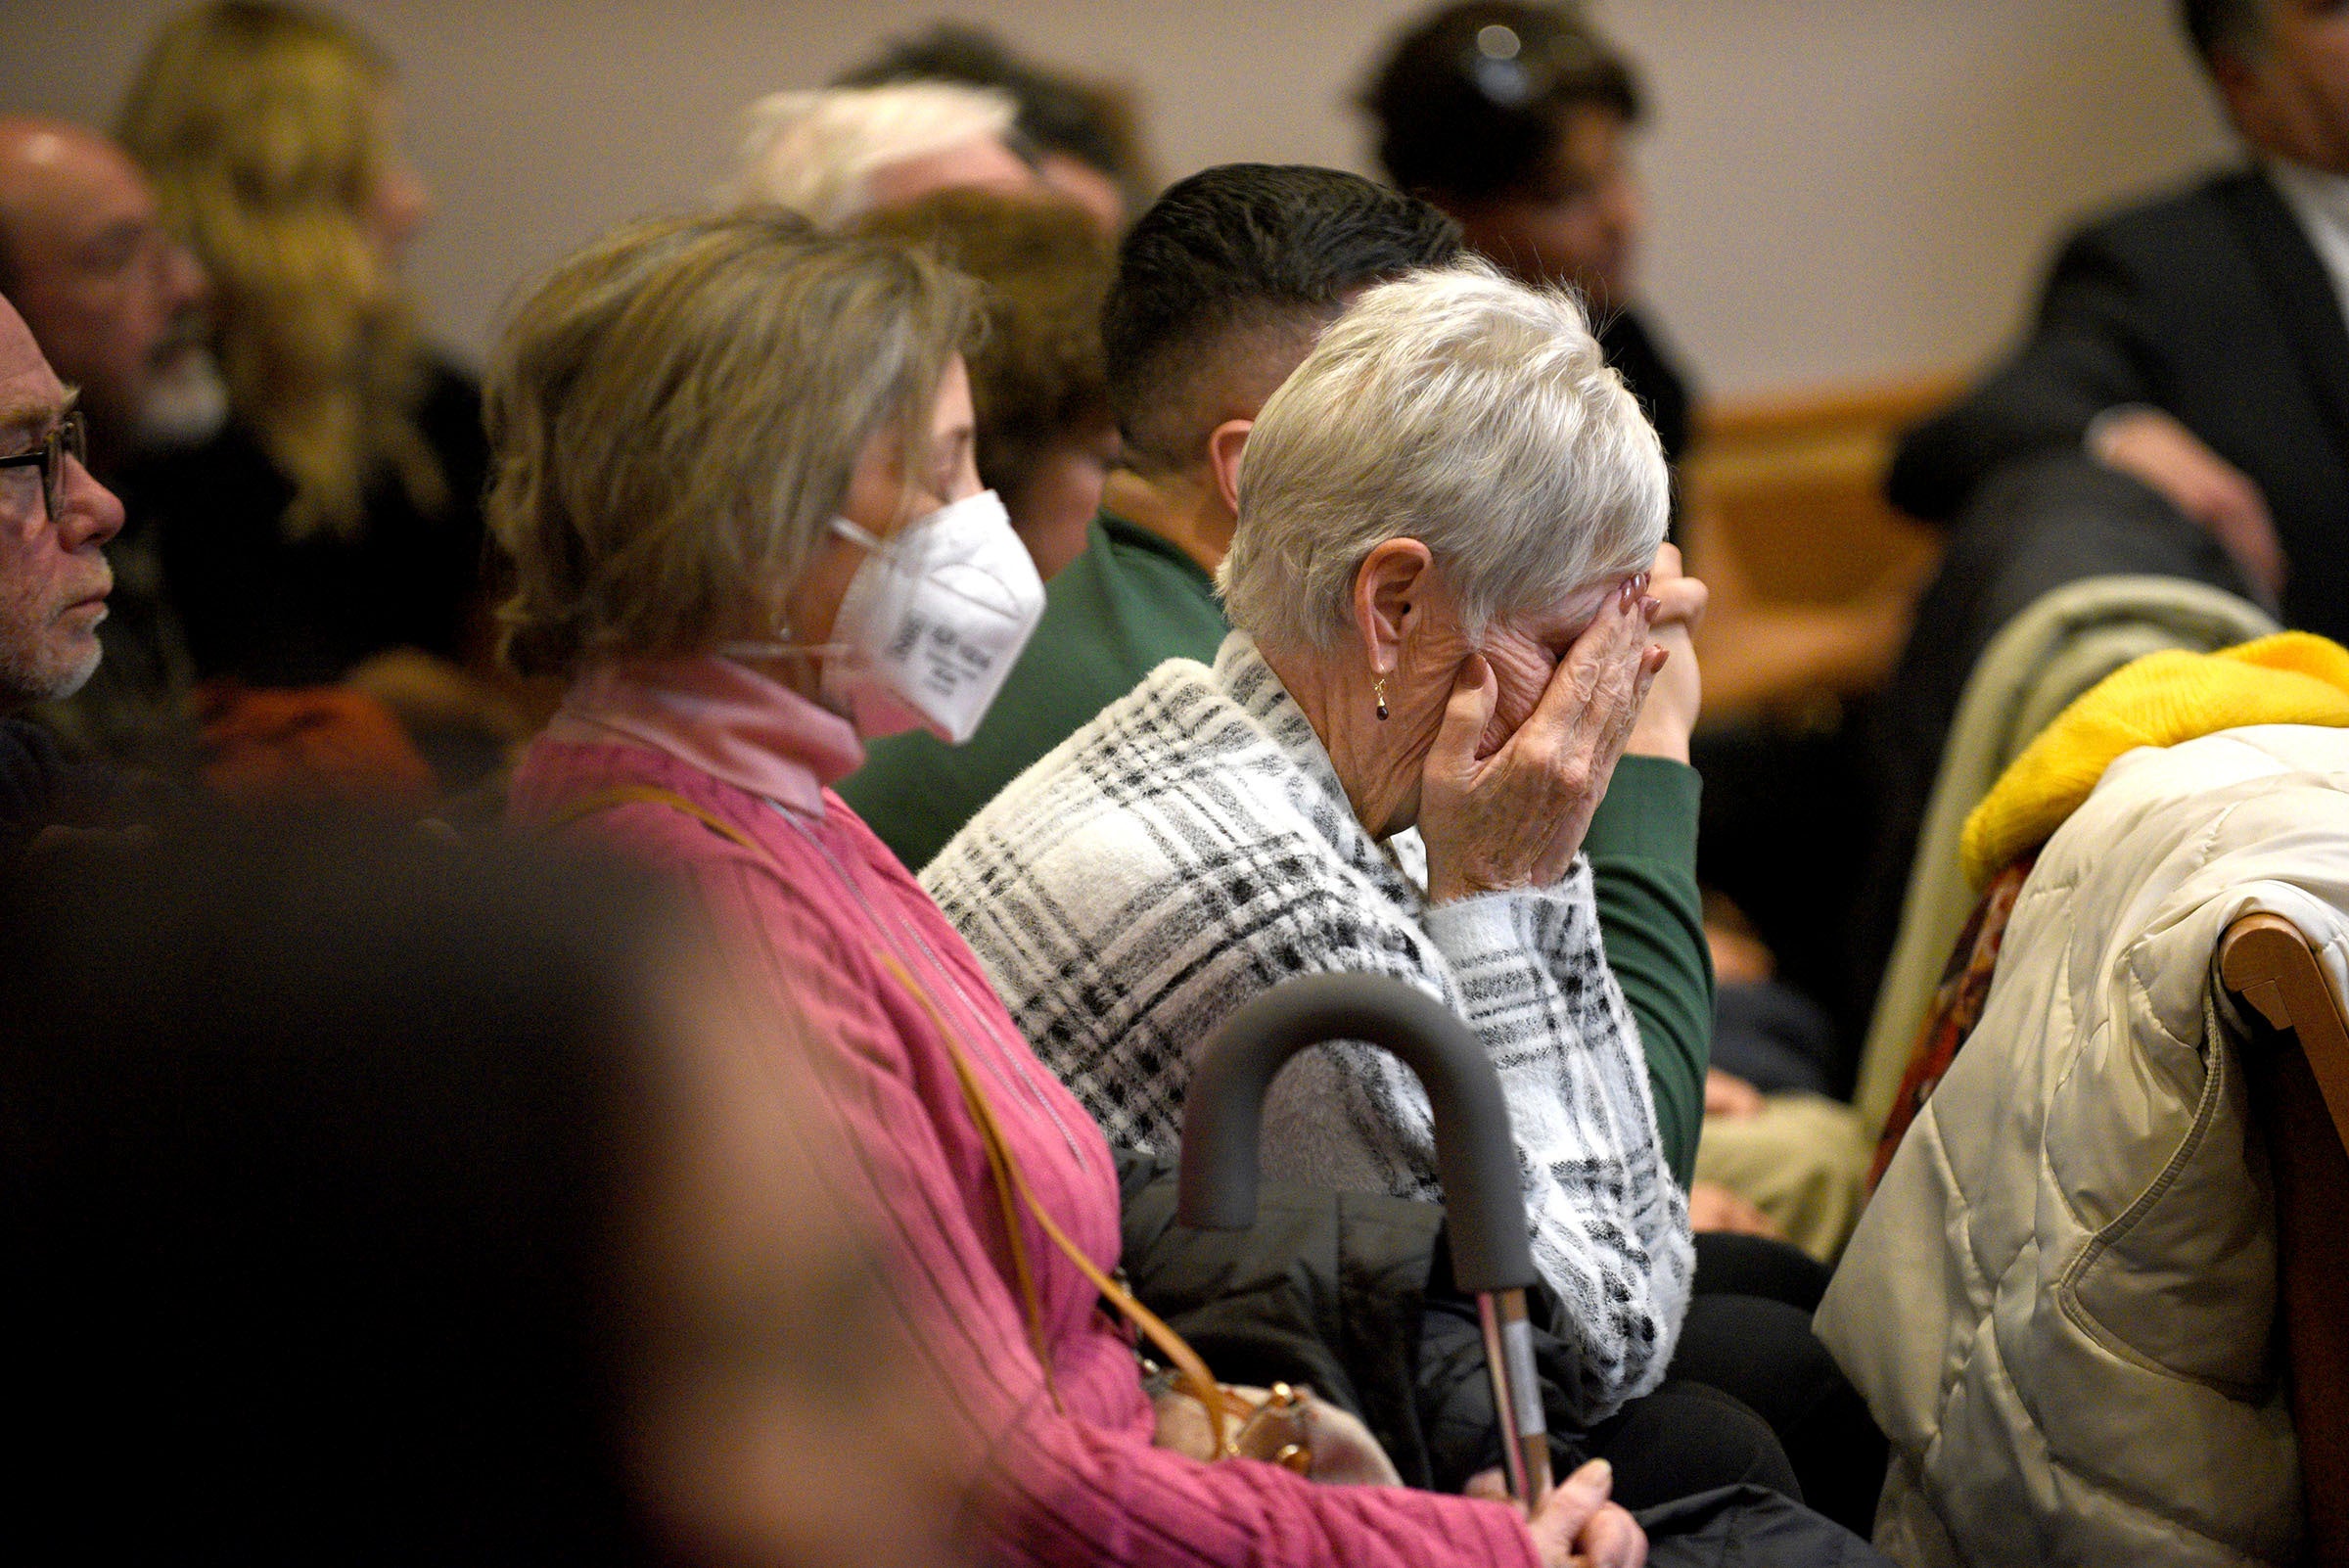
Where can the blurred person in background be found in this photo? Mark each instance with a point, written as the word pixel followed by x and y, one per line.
pixel 382 1201
pixel 1517 120
pixel 118 305
pixel 1081 135
pixel 118 302
pixel 728 592
pixel 337 520
pixel 2178 409
pixel 834 154
pixel 1046 437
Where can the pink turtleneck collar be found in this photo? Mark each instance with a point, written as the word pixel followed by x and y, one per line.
pixel 722 718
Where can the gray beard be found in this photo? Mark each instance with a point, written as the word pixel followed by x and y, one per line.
pixel 28 680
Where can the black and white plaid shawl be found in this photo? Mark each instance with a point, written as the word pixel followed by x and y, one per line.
pixel 1192 846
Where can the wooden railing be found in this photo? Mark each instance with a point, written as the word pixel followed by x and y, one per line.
pixel 1798 484
pixel 2300 1098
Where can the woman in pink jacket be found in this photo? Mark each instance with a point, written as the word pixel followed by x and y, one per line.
pixel 734 470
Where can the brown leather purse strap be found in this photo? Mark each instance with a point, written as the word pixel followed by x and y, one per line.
pixel 1202 1383
pixel 618 794
pixel 1009 1184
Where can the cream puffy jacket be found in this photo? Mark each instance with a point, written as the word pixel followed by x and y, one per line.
pixel 2060 1303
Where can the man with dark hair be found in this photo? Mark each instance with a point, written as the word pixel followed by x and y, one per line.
pixel 1221 287
pixel 2197 343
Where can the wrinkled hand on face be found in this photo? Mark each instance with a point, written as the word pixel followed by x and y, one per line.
pixel 1526 652
pixel 1513 815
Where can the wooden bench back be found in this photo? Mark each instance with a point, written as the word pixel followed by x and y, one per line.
pixel 2300 1094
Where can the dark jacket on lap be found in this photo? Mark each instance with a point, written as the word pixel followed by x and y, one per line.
pixel 1352 1294
pixel 40 789
pixel 1348 1292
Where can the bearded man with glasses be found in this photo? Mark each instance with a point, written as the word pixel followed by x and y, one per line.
pixel 121 309
pixel 55 520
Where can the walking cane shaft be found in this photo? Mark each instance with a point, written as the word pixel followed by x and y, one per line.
pixel 1516 1394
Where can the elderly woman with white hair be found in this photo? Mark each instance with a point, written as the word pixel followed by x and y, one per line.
pixel 835 154
pixel 1445 622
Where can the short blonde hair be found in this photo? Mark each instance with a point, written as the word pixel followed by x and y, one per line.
pixel 815 152
pixel 263 127
pixel 675 413
pixel 1457 408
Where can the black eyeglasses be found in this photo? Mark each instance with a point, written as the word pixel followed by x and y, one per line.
pixel 69 440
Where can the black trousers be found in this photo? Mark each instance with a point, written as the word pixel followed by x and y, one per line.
pixel 1751 1396
pixel 1682 1439
pixel 1748 1336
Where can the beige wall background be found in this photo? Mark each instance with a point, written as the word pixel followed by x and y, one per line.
pixel 1844 192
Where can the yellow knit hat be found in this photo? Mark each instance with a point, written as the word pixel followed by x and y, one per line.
pixel 2159 700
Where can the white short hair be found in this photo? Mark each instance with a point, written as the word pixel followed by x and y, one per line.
pixel 1457 408
pixel 815 152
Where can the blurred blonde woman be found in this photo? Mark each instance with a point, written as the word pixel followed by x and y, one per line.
pixel 340 515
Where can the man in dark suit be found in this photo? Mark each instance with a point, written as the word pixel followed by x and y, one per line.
pixel 2197 343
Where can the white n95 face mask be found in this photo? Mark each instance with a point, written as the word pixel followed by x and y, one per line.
pixel 932 622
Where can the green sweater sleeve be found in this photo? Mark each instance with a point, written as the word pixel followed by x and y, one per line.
pixel 1642 848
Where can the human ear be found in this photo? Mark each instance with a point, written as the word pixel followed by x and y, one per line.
pixel 1390 587
pixel 2244 90
pixel 1224 448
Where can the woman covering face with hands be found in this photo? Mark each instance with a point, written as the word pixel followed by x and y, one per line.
pixel 1452 613
pixel 1527 740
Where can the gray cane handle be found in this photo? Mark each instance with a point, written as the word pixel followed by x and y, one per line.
pixel 1476 1153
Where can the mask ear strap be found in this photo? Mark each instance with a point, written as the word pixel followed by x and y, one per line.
pixel 780 645
pixel 855 532
pixel 782 650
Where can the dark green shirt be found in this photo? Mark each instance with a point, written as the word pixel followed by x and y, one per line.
pixel 1127 604
pixel 1133 601
pixel 1642 848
